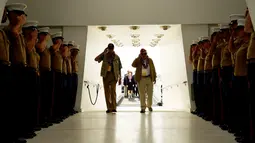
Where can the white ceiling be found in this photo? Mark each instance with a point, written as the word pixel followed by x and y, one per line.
pixel 147 33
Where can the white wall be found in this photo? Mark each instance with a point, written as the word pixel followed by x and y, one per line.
pixel 173 71
pixel 190 33
pixel 251 4
pixel 79 35
pixel 124 12
pixel 2 4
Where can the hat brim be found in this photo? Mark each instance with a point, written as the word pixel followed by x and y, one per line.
pixel 58 38
pixel 17 11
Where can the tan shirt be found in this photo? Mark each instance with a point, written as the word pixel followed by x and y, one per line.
pixel 33 59
pixel 56 60
pixel 195 58
pixel 226 59
pixel 17 48
pixel 251 48
pixel 240 60
pixel 4 48
pixel 201 61
pixel 69 65
pixel 216 59
pixel 208 62
pixel 74 65
pixel 45 60
pixel 64 66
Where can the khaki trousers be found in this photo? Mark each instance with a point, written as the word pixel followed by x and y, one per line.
pixel 110 90
pixel 145 87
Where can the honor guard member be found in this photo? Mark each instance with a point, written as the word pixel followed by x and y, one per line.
pixel 217 45
pixel 5 82
pixel 56 67
pixel 70 46
pixel 14 51
pixel 200 77
pixel 69 80
pixel 207 100
pixel 251 68
pixel 65 88
pixel 226 74
pixel 194 56
pixel 75 67
pixel 111 73
pixel 232 39
pixel 45 74
pixel 30 33
pixel 240 83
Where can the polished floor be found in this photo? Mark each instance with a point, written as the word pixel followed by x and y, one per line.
pixel 133 127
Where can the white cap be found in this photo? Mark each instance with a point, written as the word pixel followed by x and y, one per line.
pixel 71 43
pixel 56 35
pixel 16 7
pixel 240 22
pixel 202 38
pixel 236 17
pixel 76 47
pixel 224 26
pixel 194 42
pixel 30 24
pixel 44 30
pixel 65 43
pixel 216 29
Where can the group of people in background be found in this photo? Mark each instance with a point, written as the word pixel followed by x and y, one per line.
pixel 38 84
pixel 130 86
pixel 145 76
pixel 223 77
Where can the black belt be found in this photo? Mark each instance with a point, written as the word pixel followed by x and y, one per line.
pixel 249 61
pixel 146 76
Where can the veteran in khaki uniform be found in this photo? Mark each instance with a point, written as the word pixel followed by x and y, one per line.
pixel 145 76
pixel 56 67
pixel 75 67
pixel 111 73
pixel 45 74
pixel 240 83
pixel 30 34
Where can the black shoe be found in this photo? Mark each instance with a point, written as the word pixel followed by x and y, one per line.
pixel 29 135
pixel 142 111
pixel 114 110
pixel 108 111
pixel 20 141
pixel 37 129
pixel 224 127
pixel 150 109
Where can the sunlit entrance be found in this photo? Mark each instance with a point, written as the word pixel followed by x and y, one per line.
pixel 163 44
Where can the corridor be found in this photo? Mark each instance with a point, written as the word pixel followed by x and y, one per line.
pixel 133 127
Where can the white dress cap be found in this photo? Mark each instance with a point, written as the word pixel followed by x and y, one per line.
pixel 76 47
pixel 216 29
pixel 44 30
pixel 234 17
pixel 56 35
pixel 240 22
pixel 30 23
pixel 71 43
pixel 16 7
pixel 204 38
pixel 194 42
pixel 224 26
pixel 65 43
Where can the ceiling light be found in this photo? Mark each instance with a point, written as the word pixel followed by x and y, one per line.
pixel 135 40
pixel 103 28
pixel 135 35
pixel 159 35
pixel 110 36
pixel 156 40
pixel 165 27
pixel 134 27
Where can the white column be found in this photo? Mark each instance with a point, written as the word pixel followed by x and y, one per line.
pixel 2 5
pixel 251 6
pixel 79 35
pixel 190 33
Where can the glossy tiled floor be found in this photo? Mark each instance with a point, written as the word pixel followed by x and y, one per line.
pixel 133 127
